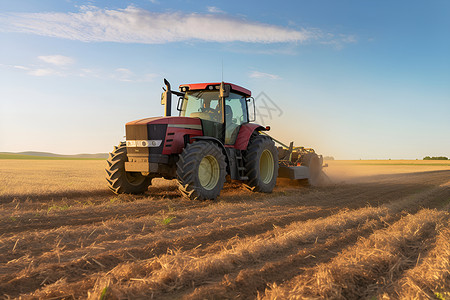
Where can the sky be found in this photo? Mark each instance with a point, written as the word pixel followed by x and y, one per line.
pixel 351 79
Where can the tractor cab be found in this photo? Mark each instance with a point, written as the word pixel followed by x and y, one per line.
pixel 221 107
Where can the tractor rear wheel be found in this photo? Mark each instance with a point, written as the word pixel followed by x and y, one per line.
pixel 201 171
pixel 261 162
pixel 121 181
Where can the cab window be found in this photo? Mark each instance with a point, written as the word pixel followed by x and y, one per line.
pixel 202 104
pixel 237 105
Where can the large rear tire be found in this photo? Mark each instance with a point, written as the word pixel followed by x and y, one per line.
pixel 120 181
pixel 261 162
pixel 201 171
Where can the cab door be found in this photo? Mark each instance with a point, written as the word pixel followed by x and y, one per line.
pixel 235 115
pixel 214 126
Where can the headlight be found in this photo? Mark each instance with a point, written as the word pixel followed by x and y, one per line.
pixel 144 143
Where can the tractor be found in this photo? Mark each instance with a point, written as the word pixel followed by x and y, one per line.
pixel 213 139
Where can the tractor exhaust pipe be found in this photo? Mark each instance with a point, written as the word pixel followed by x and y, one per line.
pixel 166 99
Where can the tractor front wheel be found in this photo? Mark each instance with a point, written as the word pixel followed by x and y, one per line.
pixel 121 181
pixel 201 171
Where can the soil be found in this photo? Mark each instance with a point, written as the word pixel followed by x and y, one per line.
pixel 87 242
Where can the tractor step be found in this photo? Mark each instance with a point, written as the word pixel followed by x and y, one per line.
pixel 240 166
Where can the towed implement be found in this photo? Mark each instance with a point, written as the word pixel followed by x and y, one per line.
pixel 212 138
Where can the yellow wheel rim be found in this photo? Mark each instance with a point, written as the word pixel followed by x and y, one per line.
pixel 266 166
pixel 208 172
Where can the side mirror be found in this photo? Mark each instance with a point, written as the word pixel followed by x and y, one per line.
pixel 180 103
pixel 251 112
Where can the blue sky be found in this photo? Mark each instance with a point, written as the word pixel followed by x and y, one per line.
pixel 352 79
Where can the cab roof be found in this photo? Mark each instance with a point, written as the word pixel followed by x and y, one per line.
pixel 204 86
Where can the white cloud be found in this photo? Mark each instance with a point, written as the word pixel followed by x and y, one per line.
pixel 58 60
pixel 264 49
pixel 348 38
pixel 338 41
pixel 214 10
pixel 149 77
pixel 35 70
pixel 256 74
pixel 43 72
pixel 21 67
pixel 119 74
pixel 126 75
pixel 134 25
pixel 123 74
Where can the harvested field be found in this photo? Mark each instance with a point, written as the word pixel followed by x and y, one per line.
pixel 378 229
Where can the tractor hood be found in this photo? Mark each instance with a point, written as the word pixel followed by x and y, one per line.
pixel 166 133
pixel 167 120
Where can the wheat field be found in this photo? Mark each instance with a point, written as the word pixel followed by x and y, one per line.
pixel 375 230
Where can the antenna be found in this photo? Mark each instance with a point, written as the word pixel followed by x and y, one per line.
pixel 222 69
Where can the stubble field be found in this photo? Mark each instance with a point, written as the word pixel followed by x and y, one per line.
pixel 378 229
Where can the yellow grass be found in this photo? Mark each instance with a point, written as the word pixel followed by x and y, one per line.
pixel 431 276
pixel 351 169
pixel 371 267
pixel 373 231
pixel 39 177
pixel 34 177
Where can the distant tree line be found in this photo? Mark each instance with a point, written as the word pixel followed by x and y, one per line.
pixel 328 158
pixel 435 158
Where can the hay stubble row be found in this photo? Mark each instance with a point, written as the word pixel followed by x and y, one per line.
pixel 361 236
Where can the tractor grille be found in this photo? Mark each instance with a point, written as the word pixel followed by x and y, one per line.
pixel 145 132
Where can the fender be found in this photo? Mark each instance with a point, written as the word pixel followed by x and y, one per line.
pixel 221 146
pixel 245 132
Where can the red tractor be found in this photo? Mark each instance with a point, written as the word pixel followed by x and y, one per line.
pixel 211 139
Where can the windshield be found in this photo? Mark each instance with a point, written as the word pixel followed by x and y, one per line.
pixel 202 104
